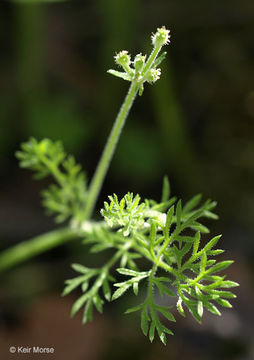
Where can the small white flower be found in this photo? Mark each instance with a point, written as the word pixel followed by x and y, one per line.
pixel 123 58
pixel 153 75
pixel 161 37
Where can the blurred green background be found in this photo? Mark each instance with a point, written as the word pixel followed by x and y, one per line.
pixel 196 125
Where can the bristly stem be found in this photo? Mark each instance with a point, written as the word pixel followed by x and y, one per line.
pixel 108 152
pixel 151 59
pixel 159 39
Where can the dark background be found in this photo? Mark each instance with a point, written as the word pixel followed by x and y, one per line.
pixel 196 125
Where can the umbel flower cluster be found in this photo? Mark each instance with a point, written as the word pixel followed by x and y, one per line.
pixel 156 249
pixel 139 69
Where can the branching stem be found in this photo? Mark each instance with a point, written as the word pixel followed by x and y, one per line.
pixel 54 170
pixel 150 286
pixel 151 59
pixel 117 256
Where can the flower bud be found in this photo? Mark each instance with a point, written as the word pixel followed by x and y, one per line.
pixel 139 62
pixel 153 75
pixel 123 58
pixel 161 37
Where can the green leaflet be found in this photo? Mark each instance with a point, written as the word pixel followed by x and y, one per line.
pixel 150 321
pixel 163 234
pixel 160 58
pixel 180 307
pixel 91 293
pixel 120 291
pixel 134 309
pixel 120 74
pixel 165 190
pixel 145 319
pixel 133 282
pixel 192 203
pixel 163 290
pixel 126 213
pixel 66 197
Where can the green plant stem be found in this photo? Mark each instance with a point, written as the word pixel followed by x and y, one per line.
pixel 151 59
pixel 35 246
pixel 116 257
pixel 168 268
pixel 108 152
pixel 150 286
pixel 54 170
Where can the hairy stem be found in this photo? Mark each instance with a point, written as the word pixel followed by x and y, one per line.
pixel 35 246
pixel 150 285
pixel 113 260
pixel 151 59
pixel 108 152
pixel 168 268
pixel 53 169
